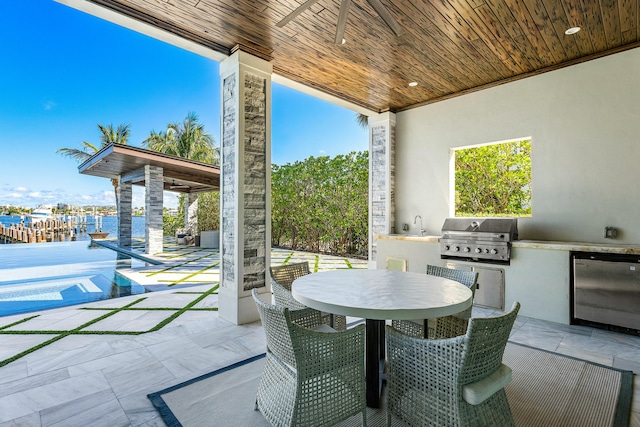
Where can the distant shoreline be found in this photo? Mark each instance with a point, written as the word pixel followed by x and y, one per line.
pixel 109 224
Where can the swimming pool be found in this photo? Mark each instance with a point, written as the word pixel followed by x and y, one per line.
pixel 39 276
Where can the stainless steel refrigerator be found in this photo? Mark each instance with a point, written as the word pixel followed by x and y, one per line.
pixel 606 291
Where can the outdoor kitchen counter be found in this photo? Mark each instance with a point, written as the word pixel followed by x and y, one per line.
pixel 409 237
pixel 610 248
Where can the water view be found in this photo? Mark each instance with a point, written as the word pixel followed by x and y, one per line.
pixel 109 224
pixel 38 276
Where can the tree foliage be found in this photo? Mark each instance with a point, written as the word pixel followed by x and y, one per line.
pixel 494 180
pixel 321 204
pixel 188 139
pixel 108 135
pixel 209 211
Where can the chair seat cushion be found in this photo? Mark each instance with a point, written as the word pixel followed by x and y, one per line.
pixel 323 328
pixel 479 391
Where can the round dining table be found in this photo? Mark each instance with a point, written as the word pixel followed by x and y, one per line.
pixel 377 296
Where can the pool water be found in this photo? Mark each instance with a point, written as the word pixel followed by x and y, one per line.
pixel 39 276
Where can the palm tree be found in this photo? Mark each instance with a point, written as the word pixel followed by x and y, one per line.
pixel 108 136
pixel 362 120
pixel 187 139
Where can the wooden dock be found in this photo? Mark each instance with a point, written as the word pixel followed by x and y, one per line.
pixel 48 230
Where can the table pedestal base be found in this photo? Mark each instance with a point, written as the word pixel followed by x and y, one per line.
pixel 374 363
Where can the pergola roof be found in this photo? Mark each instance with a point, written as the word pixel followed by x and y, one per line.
pixel 183 175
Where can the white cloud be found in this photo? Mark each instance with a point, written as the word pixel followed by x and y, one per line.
pixel 49 105
pixel 21 196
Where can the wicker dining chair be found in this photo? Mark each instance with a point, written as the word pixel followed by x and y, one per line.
pixel 282 278
pixel 448 326
pixel 453 381
pixel 310 378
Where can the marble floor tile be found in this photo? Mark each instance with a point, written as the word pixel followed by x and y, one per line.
pixel 113 362
pixel 10 345
pixel 51 358
pixel 97 409
pixel 46 396
pixel 14 371
pixel 130 320
pixel 131 379
pixel 537 336
pixel 33 381
pixel 30 420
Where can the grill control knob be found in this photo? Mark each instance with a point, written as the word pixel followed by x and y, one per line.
pixel 486 251
pixel 478 250
pixel 467 249
pixel 494 251
pixel 446 247
pixel 456 248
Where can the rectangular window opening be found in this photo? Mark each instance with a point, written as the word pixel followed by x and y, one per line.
pixel 492 180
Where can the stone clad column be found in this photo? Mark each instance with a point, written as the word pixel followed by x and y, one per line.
pixel 381 179
pixel 154 186
pixel 125 196
pixel 191 212
pixel 245 201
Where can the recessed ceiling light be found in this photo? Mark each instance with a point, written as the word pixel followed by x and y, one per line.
pixel 412 84
pixel 572 30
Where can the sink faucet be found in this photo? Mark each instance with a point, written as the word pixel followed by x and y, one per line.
pixel 416 219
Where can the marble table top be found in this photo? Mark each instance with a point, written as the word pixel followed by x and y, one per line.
pixel 382 294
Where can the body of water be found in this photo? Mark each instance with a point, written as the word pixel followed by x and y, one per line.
pixel 37 276
pixel 109 224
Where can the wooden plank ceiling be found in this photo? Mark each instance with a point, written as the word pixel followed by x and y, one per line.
pixel 449 47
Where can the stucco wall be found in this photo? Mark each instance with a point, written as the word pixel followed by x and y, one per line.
pixel 584 122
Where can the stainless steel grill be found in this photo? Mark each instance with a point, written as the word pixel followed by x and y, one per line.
pixel 478 239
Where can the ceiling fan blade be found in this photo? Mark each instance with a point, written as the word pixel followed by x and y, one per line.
pixel 306 5
pixel 386 17
pixel 342 20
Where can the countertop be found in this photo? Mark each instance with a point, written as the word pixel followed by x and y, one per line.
pixel 612 248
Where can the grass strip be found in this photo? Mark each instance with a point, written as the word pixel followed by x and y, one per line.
pixel 187 253
pixel 184 279
pixel 346 261
pixel 62 334
pixel 189 293
pixel 186 308
pixel 286 260
pixel 316 264
pixel 32 349
pixel 19 322
pixel 177 265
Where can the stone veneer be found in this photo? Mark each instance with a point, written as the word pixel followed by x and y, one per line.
pixel 252 179
pixel 125 196
pixel 229 196
pixel 382 181
pixel 154 186
pixel 255 181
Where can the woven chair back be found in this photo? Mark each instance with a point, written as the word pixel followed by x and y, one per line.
pixel 277 325
pixel 285 274
pixel 486 341
pixel 467 278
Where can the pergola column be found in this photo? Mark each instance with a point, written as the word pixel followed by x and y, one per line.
pixel 125 196
pixel 381 179
pixel 191 212
pixel 245 201
pixel 154 187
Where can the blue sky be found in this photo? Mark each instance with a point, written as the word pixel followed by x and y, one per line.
pixel 64 71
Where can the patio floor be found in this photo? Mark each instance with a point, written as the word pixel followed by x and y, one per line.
pixel 95 364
